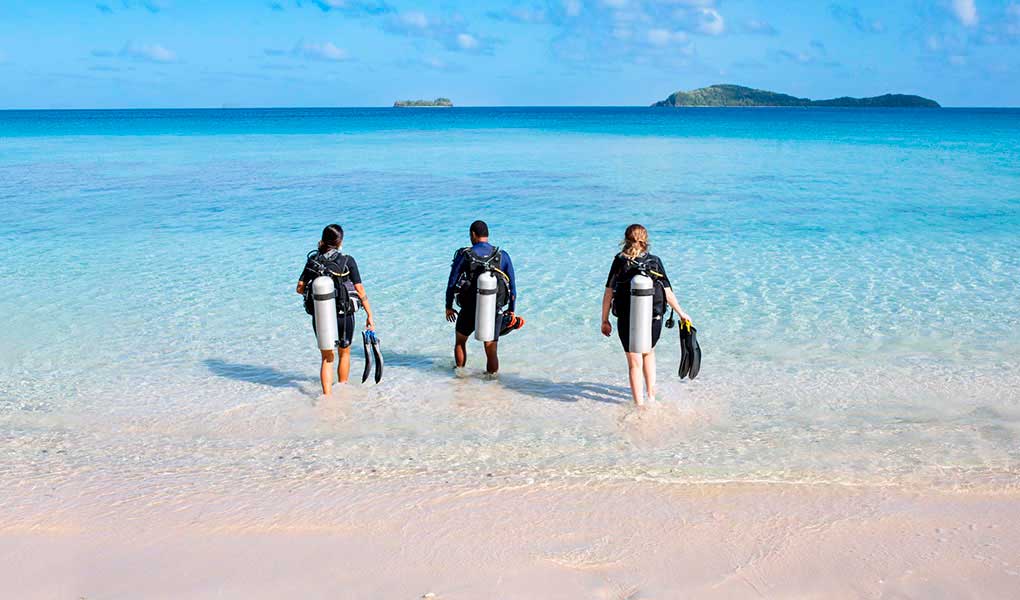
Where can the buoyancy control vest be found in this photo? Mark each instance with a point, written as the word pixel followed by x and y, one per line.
pixel 474 265
pixel 648 266
pixel 333 265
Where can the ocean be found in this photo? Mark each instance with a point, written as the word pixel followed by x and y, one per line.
pixel 853 275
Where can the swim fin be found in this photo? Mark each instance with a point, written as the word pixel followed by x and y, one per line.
pixel 695 351
pixel 377 353
pixel 511 322
pixel 368 357
pixel 686 351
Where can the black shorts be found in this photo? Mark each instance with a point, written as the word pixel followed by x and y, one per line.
pixel 344 328
pixel 466 321
pixel 623 330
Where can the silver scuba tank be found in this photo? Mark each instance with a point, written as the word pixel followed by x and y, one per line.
pixel 642 291
pixel 485 307
pixel 324 298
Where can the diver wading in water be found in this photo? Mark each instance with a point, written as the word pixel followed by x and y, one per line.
pixel 637 292
pixel 482 283
pixel 332 289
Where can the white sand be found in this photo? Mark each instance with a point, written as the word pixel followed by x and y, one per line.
pixel 407 538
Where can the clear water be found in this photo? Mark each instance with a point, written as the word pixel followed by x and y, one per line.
pixel 853 275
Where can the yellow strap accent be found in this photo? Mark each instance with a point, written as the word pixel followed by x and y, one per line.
pixel 344 274
pixel 505 276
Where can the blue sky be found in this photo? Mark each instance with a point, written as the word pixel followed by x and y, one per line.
pixel 180 53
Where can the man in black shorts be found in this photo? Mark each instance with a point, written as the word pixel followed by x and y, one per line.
pixel 461 286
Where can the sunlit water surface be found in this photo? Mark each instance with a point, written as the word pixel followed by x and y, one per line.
pixel 853 276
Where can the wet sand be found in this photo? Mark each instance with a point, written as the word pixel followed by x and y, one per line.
pixel 407 538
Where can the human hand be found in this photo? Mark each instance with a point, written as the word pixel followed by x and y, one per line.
pixel 370 323
pixel 451 315
pixel 607 328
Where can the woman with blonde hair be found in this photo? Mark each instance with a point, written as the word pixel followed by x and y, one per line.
pixel 635 260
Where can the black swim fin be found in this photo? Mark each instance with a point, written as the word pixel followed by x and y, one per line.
pixel 377 353
pixel 368 357
pixel 695 353
pixel 685 350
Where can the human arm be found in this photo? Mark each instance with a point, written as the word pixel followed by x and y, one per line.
pixel 670 295
pixel 607 303
pixel 675 305
pixel 369 318
pixel 455 266
pixel 607 296
pixel 306 275
pixel 507 266
pixel 354 273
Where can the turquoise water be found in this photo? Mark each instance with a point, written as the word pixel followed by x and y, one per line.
pixel 853 275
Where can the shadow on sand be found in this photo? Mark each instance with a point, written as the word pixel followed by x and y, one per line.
pixel 255 374
pixel 560 391
pixel 566 391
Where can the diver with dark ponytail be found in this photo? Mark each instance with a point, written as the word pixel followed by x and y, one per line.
pixel 350 293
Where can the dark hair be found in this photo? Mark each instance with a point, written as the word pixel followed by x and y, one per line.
pixel 480 229
pixel 332 237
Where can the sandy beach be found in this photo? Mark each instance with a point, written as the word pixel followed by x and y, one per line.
pixel 408 538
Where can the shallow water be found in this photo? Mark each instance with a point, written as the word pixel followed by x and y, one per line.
pixel 853 276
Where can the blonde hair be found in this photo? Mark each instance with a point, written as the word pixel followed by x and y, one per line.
pixel 635 241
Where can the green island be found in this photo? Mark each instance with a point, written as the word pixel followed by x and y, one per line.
pixel 438 102
pixel 729 95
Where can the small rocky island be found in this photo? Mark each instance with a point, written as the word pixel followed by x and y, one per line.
pixel 437 103
pixel 735 96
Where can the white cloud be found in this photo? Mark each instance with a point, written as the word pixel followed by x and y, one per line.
pixel 325 51
pixel 664 37
pixel 523 14
pixel 354 7
pixel 451 31
pixel 148 52
pixel 415 19
pixel 966 12
pixel 760 27
pixel 467 41
pixel 710 22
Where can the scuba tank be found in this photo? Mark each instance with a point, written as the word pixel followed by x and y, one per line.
pixel 485 306
pixel 324 299
pixel 641 299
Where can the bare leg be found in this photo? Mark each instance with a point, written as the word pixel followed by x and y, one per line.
pixel 343 371
pixel 634 371
pixel 649 367
pixel 460 350
pixel 326 371
pixel 491 358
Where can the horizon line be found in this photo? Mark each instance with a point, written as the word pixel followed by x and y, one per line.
pixel 390 106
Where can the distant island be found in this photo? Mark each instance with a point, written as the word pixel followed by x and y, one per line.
pixel 438 102
pixel 736 95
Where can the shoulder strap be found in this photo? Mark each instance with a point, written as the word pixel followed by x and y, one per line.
pixel 343 270
pixel 643 264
